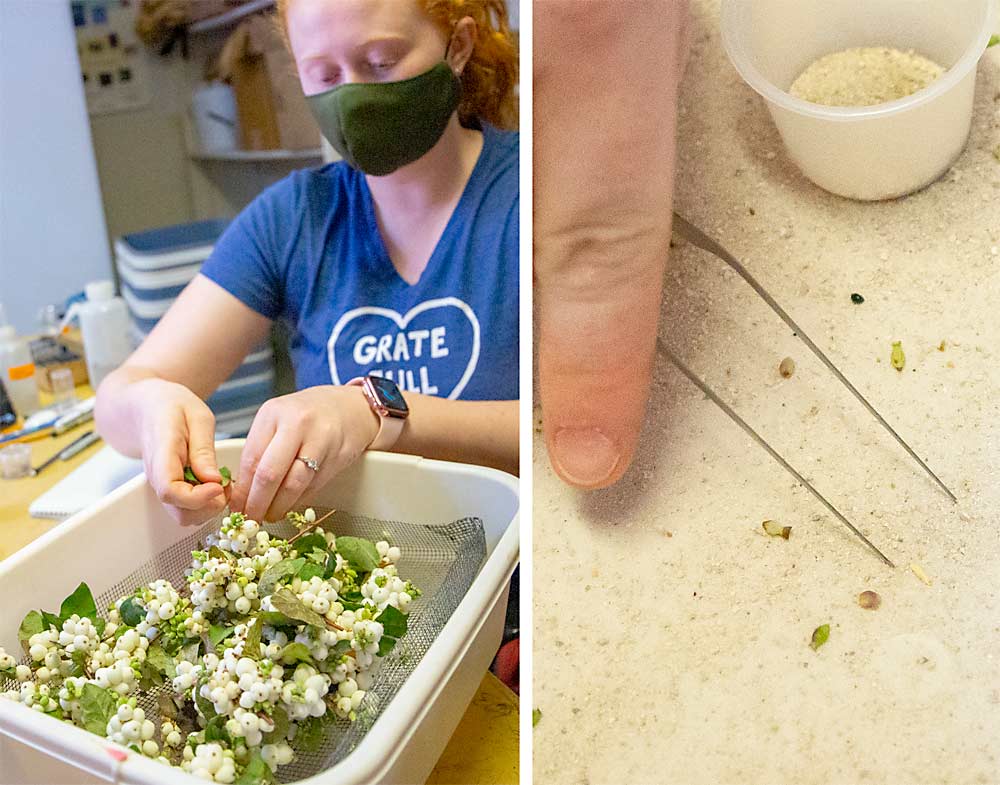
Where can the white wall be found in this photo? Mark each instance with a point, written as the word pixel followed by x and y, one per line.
pixel 52 231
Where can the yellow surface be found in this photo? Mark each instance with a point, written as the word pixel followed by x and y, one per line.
pixel 484 747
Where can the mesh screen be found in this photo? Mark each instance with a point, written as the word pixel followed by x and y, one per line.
pixel 441 561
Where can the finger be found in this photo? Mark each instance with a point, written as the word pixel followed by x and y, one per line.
pixel 271 472
pixel 602 224
pixel 299 479
pixel 261 432
pixel 201 443
pixel 167 454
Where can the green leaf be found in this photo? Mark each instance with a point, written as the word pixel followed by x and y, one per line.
pixel 276 573
pixel 285 601
pixel 252 646
pixel 216 552
pixel 393 621
pixel 295 652
pixel 820 636
pixel 340 647
pixel 994 40
pixel 256 772
pixel 131 612
pixel 385 645
pixel 96 707
pixel 310 542
pixel 536 715
pixel 359 552
pixel 280 719
pixel 227 476
pixel 275 619
pixel 163 662
pixel 217 634
pixel 81 602
pixel 189 476
pixel 51 620
pixel 79 663
pixel 311 570
pixel 205 706
pixel 215 730
pixel 189 651
pixel 309 737
pixel 31 624
pixel 99 625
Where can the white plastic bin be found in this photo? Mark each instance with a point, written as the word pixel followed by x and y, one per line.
pixel 105 543
pixel 870 152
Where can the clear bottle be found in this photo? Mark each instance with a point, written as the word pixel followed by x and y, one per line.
pixel 105 326
pixel 18 369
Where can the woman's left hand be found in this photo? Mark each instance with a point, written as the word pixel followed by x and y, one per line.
pixel 331 425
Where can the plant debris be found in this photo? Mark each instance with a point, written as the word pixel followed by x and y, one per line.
pixel 787 367
pixel 820 636
pixel 536 715
pixel 917 570
pixel 189 476
pixel 857 299
pixel 897 358
pixel 869 600
pixel 941 346
pixel 775 529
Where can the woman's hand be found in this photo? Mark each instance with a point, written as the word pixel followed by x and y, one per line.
pixel 177 429
pixel 605 92
pixel 331 425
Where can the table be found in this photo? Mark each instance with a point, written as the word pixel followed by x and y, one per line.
pixel 484 747
pixel 694 622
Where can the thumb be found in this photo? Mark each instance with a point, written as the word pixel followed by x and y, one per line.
pixel 201 443
pixel 601 222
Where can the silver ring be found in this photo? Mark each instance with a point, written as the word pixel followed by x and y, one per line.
pixel 311 463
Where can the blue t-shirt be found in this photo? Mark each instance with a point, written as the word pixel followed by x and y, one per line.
pixel 308 250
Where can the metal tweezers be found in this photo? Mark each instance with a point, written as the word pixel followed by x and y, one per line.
pixel 699 239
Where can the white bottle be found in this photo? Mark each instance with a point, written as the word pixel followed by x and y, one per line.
pixel 105 326
pixel 17 368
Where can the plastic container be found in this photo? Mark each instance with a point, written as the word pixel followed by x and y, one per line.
pixel 870 152
pixel 408 738
pixel 18 370
pixel 104 324
pixel 15 462
pixel 154 268
pixel 213 110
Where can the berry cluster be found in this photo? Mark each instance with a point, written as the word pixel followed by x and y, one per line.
pixel 269 640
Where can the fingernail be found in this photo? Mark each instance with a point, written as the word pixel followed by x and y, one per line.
pixel 584 456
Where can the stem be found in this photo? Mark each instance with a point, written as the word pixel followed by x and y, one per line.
pixel 310 527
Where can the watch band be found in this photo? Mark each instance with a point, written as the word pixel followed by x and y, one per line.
pixel 389 428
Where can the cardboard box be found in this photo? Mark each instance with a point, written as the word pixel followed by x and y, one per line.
pixel 272 110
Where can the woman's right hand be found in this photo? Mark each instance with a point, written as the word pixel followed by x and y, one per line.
pixel 178 429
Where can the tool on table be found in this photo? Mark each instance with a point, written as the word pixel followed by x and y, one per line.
pixel 663 349
pixel 699 239
pixel 73 448
pixel 696 237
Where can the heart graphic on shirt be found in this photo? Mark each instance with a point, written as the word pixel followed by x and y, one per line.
pixel 433 347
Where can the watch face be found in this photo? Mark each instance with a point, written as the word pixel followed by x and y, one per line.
pixel 389 395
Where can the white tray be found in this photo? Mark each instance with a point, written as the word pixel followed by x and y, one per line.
pixel 104 543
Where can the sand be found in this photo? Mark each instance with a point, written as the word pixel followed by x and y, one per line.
pixel 671 634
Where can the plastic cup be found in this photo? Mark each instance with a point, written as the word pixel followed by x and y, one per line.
pixel 63 388
pixel 15 461
pixel 866 152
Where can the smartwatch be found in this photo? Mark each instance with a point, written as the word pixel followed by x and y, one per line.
pixel 386 400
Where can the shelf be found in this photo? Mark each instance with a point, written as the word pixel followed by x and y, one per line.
pixel 229 17
pixel 259 155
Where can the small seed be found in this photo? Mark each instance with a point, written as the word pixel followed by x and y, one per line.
pixel 775 529
pixel 897 357
pixel 917 570
pixel 787 367
pixel 857 299
pixel 869 600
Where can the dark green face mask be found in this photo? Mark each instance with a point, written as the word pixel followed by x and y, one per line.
pixel 379 127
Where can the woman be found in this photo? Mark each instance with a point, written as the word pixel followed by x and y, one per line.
pixel 399 264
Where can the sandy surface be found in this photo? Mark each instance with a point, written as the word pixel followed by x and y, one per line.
pixel 671 635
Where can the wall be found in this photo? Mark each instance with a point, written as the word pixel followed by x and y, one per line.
pixel 52 236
